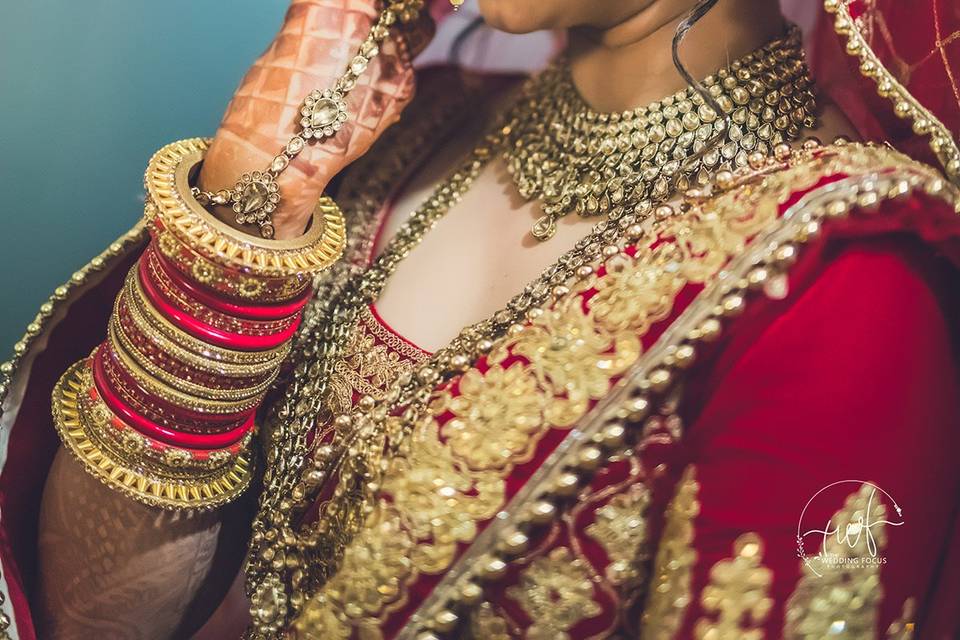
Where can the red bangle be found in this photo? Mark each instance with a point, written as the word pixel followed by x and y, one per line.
pixel 140 347
pixel 145 403
pixel 150 271
pixel 212 300
pixel 211 334
pixel 159 432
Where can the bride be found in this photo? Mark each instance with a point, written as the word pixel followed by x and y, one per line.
pixel 589 354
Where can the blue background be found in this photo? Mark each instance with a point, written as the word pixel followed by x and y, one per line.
pixel 88 91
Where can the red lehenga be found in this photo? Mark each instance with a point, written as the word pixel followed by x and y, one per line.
pixel 646 454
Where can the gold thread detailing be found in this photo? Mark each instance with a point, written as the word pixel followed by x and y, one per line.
pixel 371 358
pixel 620 527
pixel 49 308
pixel 670 591
pixel 556 592
pixel 487 624
pixel 903 627
pixel 738 594
pixel 573 357
pixel 177 212
pixel 497 416
pixel 149 487
pixel 371 578
pixel 844 601
pixel 905 106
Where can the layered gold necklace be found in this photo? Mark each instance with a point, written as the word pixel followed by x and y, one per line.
pixel 574 159
pixel 618 166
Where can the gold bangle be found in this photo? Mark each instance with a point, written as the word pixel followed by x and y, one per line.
pixel 178 212
pixel 154 487
pixel 123 442
pixel 199 391
pixel 151 322
pixel 175 396
pixel 190 359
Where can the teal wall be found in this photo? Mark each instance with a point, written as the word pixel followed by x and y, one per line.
pixel 88 91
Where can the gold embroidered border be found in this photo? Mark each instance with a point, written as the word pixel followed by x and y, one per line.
pixel 905 106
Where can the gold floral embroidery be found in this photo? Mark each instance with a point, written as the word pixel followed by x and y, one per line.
pixel 370 578
pixel 440 501
pixel 843 602
pixel 903 627
pixel 670 592
pixel 635 294
pixel 738 594
pixel 572 357
pixel 371 358
pixel 486 624
pixel 556 593
pixel 620 527
pixel 496 415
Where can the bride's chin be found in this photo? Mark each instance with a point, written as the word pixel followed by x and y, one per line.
pixel 516 16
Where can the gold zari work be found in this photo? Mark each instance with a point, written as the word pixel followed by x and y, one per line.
pixel 670 593
pixel 738 594
pixel 556 593
pixel 620 528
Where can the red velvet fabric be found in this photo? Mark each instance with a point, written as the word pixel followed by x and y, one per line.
pixel 855 376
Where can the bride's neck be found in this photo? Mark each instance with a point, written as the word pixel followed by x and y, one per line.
pixel 630 64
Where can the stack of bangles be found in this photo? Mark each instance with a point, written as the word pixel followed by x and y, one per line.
pixel 164 409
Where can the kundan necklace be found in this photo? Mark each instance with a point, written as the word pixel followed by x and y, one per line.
pixel 616 166
pixel 574 159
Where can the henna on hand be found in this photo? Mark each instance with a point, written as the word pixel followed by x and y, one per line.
pixel 316 42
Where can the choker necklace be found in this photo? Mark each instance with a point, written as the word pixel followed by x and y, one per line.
pixel 574 159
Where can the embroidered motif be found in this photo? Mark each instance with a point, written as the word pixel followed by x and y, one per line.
pixel 369 579
pixel 371 358
pixel 496 416
pixel 556 593
pixel 670 592
pixel 738 594
pixel 573 359
pixel 440 501
pixel 620 527
pixel 843 602
pixel 486 624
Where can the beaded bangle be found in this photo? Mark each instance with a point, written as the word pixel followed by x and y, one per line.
pixel 160 364
pixel 167 486
pixel 260 312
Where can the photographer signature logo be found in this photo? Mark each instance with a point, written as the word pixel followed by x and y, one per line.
pixel 848 539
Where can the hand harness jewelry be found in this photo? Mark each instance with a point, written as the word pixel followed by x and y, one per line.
pixel 256 195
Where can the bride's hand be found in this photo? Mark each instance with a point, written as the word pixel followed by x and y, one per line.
pixel 316 42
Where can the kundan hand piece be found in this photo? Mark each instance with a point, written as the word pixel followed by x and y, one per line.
pixel 256 195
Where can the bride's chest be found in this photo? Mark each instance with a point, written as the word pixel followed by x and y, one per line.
pixel 478 255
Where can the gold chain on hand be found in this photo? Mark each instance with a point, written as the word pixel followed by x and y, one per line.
pixel 256 195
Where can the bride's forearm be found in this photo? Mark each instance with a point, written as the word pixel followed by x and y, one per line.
pixel 111 567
